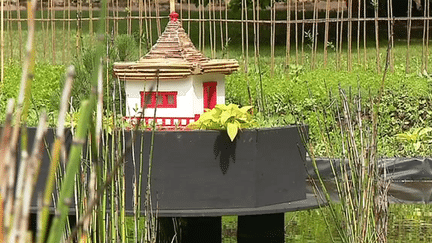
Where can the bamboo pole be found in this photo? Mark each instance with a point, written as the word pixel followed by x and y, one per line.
pixel 53 34
pixel 272 37
pixel 407 67
pixel 254 13
pixel 364 36
pixel 158 24
pixel 314 35
pixel 427 6
pixel 211 28
pixel 140 27
pixel 326 32
pixel 69 29
pixel 288 40
pixel 64 36
pixel 1 82
pixel 19 29
pixel 377 38
pixel 390 34
pixel 214 27
pixel 8 27
pixel 247 35
pixel 91 19
pixel 358 30
pixel 349 37
pixel 220 24
pixel 303 32
pixel 150 22
pixel 424 56
pixel 258 27
pixel 116 16
pixel 43 30
pixel 296 32
pixel 200 46
pixel 189 16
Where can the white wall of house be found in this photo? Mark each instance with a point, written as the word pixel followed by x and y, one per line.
pixel 189 96
pixel 185 97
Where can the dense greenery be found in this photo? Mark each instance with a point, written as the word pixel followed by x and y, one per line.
pixel 293 92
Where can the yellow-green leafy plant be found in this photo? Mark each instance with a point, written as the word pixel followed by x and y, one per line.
pixel 225 117
pixel 415 138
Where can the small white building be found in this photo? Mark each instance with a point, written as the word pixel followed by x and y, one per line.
pixel 175 78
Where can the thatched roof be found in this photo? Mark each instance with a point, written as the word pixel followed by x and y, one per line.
pixel 175 56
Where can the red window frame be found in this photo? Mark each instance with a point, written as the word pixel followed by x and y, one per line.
pixel 164 95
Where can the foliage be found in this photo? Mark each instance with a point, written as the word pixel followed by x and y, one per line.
pixel 46 87
pixel 414 139
pixel 225 117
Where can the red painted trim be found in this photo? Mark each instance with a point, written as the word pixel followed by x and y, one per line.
pixel 164 96
pixel 166 121
pixel 209 95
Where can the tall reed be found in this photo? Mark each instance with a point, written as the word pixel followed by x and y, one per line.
pixel 351 138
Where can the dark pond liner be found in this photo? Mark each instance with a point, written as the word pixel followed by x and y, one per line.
pixel 203 173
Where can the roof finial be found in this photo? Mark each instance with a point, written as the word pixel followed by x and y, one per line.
pixel 174 16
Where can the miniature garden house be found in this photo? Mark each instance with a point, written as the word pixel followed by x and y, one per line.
pixel 174 77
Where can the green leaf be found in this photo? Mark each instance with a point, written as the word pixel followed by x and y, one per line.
pixel 232 129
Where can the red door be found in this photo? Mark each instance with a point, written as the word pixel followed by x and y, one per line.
pixel 210 95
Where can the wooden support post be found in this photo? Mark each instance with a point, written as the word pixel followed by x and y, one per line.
pixel 261 228
pixel 190 229
pixel 172 6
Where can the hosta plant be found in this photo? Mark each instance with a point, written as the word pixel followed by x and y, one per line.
pixel 225 117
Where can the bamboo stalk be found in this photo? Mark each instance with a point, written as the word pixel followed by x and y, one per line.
pixel 272 37
pixel 8 27
pixel 427 6
pixel 189 16
pixel 211 29
pixel 314 35
pixel 226 26
pixel 358 31
pixel 390 34
pixel 91 19
pixel 140 27
pixel 296 32
pixel 214 27
pixel 247 35
pixel 424 55
pixel 220 24
pixel 64 36
pixel 364 36
pixel 68 29
pixel 377 38
pixel 326 32
pixel 150 23
pixel 254 13
pixel 303 32
pixel 53 33
pixel 19 29
pixel 349 38
pixel 158 24
pixel 43 30
pixel 407 65
pixel 1 83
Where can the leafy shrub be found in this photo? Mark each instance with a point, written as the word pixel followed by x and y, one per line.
pixel 225 117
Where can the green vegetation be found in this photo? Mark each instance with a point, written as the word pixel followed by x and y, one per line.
pixel 225 117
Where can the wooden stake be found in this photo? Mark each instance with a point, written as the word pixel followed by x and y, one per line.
pixel 326 32
pixel 53 34
pixel 1 82
pixel 377 40
pixel 19 28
